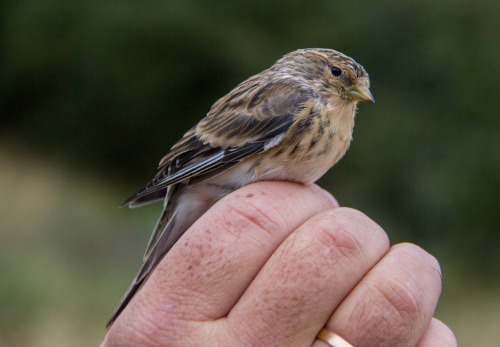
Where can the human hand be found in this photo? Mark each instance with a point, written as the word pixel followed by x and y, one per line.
pixel 274 262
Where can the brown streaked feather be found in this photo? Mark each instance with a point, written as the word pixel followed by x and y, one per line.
pixel 251 115
pixel 228 135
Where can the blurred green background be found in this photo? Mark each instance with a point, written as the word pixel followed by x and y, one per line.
pixel 93 94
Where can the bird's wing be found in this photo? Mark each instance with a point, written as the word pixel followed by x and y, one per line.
pixel 251 119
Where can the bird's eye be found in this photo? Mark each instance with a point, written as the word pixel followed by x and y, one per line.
pixel 335 71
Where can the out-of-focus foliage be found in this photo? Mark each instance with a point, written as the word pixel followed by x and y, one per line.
pixel 108 86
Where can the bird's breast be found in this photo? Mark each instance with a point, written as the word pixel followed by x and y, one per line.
pixel 314 143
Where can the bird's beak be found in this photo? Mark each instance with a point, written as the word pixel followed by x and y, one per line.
pixel 361 93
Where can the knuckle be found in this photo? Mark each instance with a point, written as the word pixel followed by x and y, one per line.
pixel 396 307
pixel 401 298
pixel 429 265
pixel 349 233
pixel 389 314
pixel 262 214
pixel 335 238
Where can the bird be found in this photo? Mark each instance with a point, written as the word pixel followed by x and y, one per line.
pixel 292 121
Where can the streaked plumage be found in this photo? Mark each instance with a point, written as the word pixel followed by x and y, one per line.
pixel 292 122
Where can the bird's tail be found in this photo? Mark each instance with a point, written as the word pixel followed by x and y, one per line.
pixel 180 211
pixel 124 301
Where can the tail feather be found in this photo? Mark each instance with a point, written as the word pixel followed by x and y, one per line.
pixel 181 210
pixel 160 248
pixel 124 301
pixel 165 222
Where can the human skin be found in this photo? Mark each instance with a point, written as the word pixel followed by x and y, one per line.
pixel 271 264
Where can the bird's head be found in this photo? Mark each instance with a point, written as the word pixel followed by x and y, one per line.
pixel 329 71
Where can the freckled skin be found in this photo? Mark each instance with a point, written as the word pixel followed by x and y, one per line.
pixel 291 122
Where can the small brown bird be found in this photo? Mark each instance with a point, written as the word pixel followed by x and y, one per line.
pixel 290 122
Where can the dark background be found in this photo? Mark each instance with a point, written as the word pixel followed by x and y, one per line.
pixel 94 93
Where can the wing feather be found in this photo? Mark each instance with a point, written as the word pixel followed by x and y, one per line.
pixel 249 120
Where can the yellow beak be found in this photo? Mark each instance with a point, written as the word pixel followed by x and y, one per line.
pixel 361 93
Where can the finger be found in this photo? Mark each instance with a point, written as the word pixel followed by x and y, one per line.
pixel 307 277
pixel 437 334
pixel 212 264
pixel 394 303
